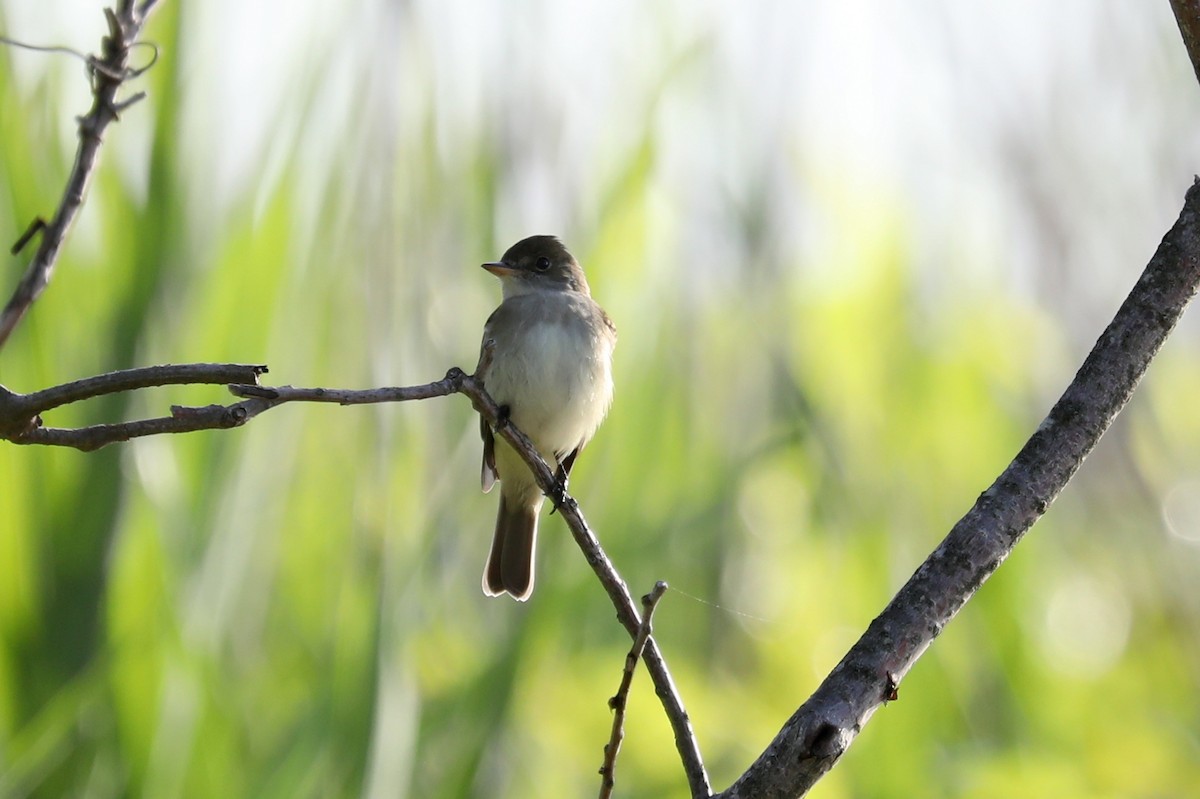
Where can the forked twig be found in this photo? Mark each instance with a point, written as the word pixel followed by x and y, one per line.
pixel 109 72
pixel 620 700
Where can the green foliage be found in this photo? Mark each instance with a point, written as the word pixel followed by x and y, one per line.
pixel 292 609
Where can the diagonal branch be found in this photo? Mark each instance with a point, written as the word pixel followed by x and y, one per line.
pixel 820 731
pixel 109 72
pixel 618 591
pixel 1187 16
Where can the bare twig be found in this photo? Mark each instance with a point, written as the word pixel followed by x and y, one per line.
pixel 621 698
pixel 109 72
pixel 819 732
pixel 342 396
pixel 20 424
pixel 143 377
pixel 46 48
pixel 182 420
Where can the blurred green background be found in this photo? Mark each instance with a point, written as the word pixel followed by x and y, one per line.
pixel 854 251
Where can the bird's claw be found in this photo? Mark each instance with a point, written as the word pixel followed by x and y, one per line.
pixel 558 493
pixel 503 413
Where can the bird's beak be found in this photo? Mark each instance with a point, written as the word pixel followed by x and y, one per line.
pixel 500 269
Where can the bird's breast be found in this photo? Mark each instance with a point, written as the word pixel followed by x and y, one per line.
pixel 553 371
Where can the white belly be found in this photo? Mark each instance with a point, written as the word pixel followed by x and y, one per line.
pixel 555 376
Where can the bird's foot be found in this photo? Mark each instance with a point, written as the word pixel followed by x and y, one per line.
pixel 558 493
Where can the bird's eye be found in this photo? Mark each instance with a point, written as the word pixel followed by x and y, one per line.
pixel 542 264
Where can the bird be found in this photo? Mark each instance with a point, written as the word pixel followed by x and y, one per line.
pixel 546 360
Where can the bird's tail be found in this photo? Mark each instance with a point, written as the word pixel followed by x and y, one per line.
pixel 510 563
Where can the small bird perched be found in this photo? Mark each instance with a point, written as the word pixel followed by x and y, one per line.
pixel 546 359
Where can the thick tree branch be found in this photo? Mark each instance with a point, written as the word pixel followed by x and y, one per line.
pixel 1187 16
pixel 109 72
pixel 817 735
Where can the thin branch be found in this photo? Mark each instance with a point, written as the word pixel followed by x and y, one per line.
pixel 143 377
pixel 342 396
pixel 182 420
pixel 608 771
pixel 20 424
pixel 820 731
pixel 46 48
pixel 109 73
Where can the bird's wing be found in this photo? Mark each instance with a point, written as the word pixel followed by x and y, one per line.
pixel 487 474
